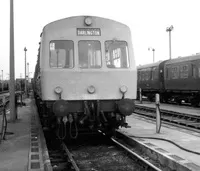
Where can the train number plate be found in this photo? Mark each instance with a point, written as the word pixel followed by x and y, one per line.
pixel 88 32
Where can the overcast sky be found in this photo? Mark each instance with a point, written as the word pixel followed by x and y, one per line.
pixel 148 20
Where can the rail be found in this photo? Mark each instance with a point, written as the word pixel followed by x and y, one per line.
pixel 149 166
pixel 188 121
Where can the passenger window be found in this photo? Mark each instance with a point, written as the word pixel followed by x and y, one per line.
pixel 184 71
pixel 61 54
pixel 167 73
pixel 154 73
pixel 89 54
pixel 199 71
pixel 116 54
pixel 193 71
pixel 175 72
pixel 139 76
pixel 143 76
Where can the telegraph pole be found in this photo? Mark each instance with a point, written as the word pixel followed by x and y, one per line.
pixel 25 71
pixel 13 114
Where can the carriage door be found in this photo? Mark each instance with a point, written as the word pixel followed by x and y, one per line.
pixel 161 75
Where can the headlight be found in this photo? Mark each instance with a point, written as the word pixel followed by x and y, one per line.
pixel 91 89
pixel 88 21
pixel 58 90
pixel 123 89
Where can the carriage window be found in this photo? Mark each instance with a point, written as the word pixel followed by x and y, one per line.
pixel 184 71
pixel 199 72
pixel 193 71
pixel 175 72
pixel 155 73
pixel 142 75
pixel 139 76
pixel 89 54
pixel 116 54
pixel 167 73
pixel 61 54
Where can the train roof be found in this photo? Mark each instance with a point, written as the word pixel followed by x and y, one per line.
pixel 75 21
pixel 149 65
pixel 183 59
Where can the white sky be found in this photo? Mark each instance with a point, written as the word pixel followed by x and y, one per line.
pixel 147 19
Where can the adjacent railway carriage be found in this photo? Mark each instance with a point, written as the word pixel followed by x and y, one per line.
pixel 85 76
pixel 150 79
pixel 177 79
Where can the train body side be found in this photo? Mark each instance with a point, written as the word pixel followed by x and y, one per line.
pixel 151 79
pixel 182 74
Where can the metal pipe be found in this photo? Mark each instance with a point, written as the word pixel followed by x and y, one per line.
pixel 158 119
pixel 140 94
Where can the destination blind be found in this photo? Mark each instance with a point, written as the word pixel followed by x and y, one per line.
pixel 88 32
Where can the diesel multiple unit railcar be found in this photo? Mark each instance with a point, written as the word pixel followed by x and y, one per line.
pixel 85 77
pixel 177 79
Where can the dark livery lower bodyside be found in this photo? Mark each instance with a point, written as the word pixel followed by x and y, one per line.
pixel 85 116
pixel 177 80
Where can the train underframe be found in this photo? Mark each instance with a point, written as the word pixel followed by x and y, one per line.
pixel 72 118
pixel 179 97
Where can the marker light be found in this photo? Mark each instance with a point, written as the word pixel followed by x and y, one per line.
pixel 91 89
pixel 58 90
pixel 123 89
pixel 88 21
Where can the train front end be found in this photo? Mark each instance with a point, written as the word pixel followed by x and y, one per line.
pixel 88 75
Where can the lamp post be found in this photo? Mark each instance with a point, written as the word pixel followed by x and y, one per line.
pixel 27 77
pixel 2 79
pixel 150 48
pixel 21 88
pixel 169 29
pixel 25 72
pixel 13 113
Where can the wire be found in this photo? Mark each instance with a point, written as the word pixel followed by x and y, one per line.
pixel 162 139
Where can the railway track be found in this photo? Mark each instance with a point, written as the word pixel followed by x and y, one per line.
pixel 173 103
pixel 187 121
pixel 96 153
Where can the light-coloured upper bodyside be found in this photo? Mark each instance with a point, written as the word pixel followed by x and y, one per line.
pixel 75 81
